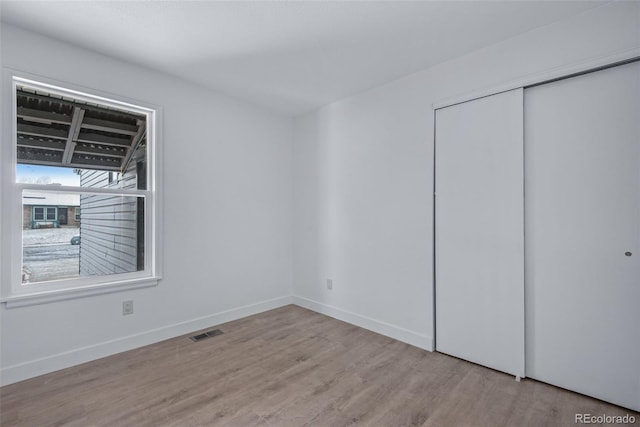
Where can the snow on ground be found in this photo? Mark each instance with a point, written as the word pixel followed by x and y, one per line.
pixel 49 235
pixel 49 255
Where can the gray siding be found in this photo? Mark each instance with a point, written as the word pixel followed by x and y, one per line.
pixel 109 225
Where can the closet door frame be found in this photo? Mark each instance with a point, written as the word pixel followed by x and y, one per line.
pixel 597 64
pixel 571 70
pixel 560 73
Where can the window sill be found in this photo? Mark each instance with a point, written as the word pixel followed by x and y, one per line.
pixel 34 298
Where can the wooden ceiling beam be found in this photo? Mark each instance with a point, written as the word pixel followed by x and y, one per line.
pixel 74 131
pixel 84 106
pixel 30 156
pixel 96 138
pixel 109 126
pixel 81 149
pixel 45 117
pixel 42 145
pixel 72 165
pixel 56 132
pixel 42 131
pixel 135 143
pixel 94 161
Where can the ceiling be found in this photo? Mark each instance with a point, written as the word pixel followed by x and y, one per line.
pixel 56 131
pixel 285 55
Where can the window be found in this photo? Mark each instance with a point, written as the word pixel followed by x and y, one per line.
pixel 114 178
pixel 98 155
pixel 51 214
pixel 44 214
pixel 38 214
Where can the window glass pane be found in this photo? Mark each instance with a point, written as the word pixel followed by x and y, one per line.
pixel 67 139
pixel 36 174
pixel 38 214
pixel 58 137
pixel 51 214
pixel 108 240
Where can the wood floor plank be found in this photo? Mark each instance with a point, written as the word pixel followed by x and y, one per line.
pixel 288 367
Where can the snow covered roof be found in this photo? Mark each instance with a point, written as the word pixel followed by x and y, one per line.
pixel 50 199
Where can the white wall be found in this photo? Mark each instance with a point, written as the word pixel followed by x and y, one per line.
pixel 363 174
pixel 227 217
pixel 362 203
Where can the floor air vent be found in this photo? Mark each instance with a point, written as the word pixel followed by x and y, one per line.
pixel 206 335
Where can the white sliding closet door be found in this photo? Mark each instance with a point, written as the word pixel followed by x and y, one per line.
pixel 582 145
pixel 479 231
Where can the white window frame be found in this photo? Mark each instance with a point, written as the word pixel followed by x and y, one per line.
pixel 55 213
pixel 12 292
pixel 44 213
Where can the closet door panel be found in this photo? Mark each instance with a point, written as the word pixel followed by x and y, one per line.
pixel 479 246
pixel 582 174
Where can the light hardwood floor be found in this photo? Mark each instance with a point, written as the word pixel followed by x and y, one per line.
pixel 288 367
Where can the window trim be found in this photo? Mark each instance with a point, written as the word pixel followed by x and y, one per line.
pixel 45 213
pixel 35 213
pixel 12 292
pixel 55 213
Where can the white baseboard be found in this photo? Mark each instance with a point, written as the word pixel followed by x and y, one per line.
pixel 34 368
pixel 45 365
pixel 410 337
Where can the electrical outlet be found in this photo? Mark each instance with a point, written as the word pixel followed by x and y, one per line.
pixel 127 307
pixel 329 284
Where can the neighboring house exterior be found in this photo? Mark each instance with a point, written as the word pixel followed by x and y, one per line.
pixel 48 210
